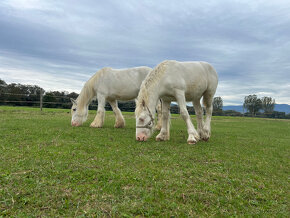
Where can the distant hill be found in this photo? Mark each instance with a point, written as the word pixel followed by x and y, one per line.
pixel 278 107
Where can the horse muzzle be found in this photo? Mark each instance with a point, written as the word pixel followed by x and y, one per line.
pixel 141 137
pixel 75 123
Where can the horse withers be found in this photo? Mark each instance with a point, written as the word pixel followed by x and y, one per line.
pixel 181 82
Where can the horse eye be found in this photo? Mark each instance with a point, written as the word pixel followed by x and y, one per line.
pixel 74 109
pixel 141 119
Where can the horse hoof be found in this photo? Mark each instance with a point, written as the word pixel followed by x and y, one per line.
pixel 119 124
pixel 159 139
pixel 95 126
pixel 191 142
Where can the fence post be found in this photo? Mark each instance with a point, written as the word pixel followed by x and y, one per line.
pixel 41 96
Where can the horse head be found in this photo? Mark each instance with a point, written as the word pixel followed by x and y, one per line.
pixel 78 115
pixel 144 122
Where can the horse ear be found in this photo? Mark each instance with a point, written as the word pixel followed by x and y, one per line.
pixel 73 101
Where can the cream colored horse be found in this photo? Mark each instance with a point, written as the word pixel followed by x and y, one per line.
pixel 181 82
pixel 108 85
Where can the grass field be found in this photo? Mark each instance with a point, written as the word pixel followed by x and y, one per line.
pixel 48 168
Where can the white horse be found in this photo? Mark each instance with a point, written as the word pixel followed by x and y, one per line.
pixel 108 85
pixel 181 82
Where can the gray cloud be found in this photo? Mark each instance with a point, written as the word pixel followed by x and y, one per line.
pixel 67 41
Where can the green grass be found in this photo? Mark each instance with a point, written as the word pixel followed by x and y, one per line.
pixel 48 168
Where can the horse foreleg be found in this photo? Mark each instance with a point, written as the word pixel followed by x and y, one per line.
pixel 165 129
pixel 193 136
pixel 158 126
pixel 100 117
pixel 120 122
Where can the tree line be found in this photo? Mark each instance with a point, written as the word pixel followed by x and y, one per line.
pixel 254 107
pixel 29 95
pixel 16 94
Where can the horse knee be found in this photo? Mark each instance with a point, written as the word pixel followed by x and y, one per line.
pixel 184 114
pixel 101 111
pixel 165 116
pixel 209 110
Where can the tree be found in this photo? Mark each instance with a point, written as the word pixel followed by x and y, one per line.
pixel 127 106
pixel 73 95
pixel 49 100
pixel 2 83
pixel 190 110
pixel 279 115
pixel 3 86
pixel 253 104
pixel 174 109
pixel 217 105
pixel 268 105
pixel 232 113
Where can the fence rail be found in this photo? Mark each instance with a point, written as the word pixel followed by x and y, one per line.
pixel 18 94
pixel 40 95
pixel 43 103
pixel 48 102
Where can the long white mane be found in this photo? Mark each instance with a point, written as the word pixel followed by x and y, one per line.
pixel 151 80
pixel 88 92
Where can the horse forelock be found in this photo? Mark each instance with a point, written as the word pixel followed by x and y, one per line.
pixel 143 97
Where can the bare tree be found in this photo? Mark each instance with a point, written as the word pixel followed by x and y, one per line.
pixel 217 104
pixel 268 105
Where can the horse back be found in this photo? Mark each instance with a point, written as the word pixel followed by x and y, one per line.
pixel 194 77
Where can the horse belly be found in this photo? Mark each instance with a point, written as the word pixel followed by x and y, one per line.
pixel 124 94
pixel 195 90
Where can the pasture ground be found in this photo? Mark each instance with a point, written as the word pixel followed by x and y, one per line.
pixel 48 168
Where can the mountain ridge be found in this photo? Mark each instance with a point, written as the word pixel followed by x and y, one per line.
pixel 278 107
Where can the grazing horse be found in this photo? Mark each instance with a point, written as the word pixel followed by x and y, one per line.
pixel 108 85
pixel 181 82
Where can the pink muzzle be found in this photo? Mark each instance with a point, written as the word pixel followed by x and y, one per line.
pixel 75 123
pixel 141 137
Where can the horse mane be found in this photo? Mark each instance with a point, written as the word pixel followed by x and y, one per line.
pixel 88 92
pixel 148 85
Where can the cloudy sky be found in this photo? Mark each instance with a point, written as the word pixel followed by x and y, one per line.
pixel 59 45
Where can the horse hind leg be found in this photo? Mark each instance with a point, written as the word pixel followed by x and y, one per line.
pixel 207 102
pixel 199 117
pixel 120 122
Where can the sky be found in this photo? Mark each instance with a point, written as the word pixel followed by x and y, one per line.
pixel 59 45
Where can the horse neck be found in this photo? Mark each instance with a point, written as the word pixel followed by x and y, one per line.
pixel 86 96
pixel 153 97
